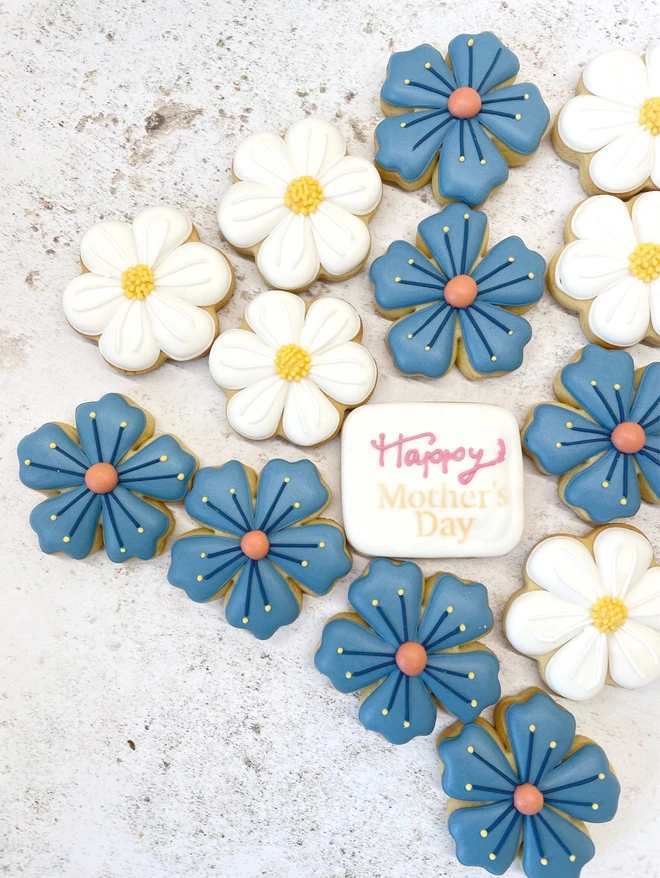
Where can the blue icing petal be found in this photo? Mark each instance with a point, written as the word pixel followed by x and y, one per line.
pixel 51 469
pixel 503 275
pixel 409 143
pixel 400 709
pixel 648 460
pixel 77 516
pixel 222 510
pixel 441 627
pixel 455 250
pixel 482 65
pixel 132 524
pixel 586 489
pixel 494 339
pixel 484 167
pixel 548 837
pixel 591 382
pixel 499 112
pixel 582 781
pixel 215 559
pixel 424 81
pixel 288 493
pixel 448 677
pixel 646 408
pixel 540 750
pixel 483 767
pixel 147 473
pixel 365 657
pixel 432 349
pixel 394 616
pixel 314 555
pixel 419 281
pixel 577 443
pixel 102 436
pixel 260 586
pixel 502 824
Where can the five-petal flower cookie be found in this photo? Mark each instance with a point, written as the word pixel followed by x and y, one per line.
pixel 590 611
pixel 529 781
pixel 411 645
pixel 603 437
pixel 105 478
pixel 294 368
pixel 301 205
pixel 461 121
pixel 453 306
pixel 149 290
pixel 611 129
pixel 262 543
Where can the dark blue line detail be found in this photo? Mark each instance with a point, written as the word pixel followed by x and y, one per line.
pixel 432 132
pixel 507 283
pixel 56 469
pixel 491 319
pixel 479 332
pixel 605 403
pixel 71 457
pixel 117 441
pixel 224 552
pixel 111 516
pixel 224 515
pixel 446 686
pixel 141 466
pixel 374 668
pixel 490 69
pixel 75 500
pixel 394 691
pixel 81 516
pixel 123 509
pixel 444 637
pixel 553 833
pixel 435 628
pixel 263 524
pixel 388 623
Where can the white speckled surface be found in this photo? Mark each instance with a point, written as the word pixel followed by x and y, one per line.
pixel 246 762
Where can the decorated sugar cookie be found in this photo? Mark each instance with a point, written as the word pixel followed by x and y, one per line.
pixel 610 129
pixel 261 545
pixel 459 121
pixel 293 368
pixel 149 290
pixel 603 437
pixel 527 783
pixel 106 479
pixel 300 205
pixel 412 645
pixel 609 270
pixel 454 302
pixel 589 612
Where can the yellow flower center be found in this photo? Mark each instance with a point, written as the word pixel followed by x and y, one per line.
pixel 649 115
pixel 303 195
pixel 292 362
pixel 645 262
pixel 609 614
pixel 137 281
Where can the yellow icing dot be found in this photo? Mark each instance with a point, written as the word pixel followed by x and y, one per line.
pixel 180 477
pixel 645 261
pixel 303 563
pixel 594 806
pixel 27 462
pixel 601 776
pixel 466 216
pixel 511 259
pixel 374 603
pixel 473 703
pixel 53 518
pixel 245 620
pixel 348 675
pixel 321 545
pixel 406 724
pixel 569 425
pixel 553 744
pixel 544 862
pixel 462 627
pixel 450 609
pixel 468 787
pixel 92 415
pixel 137 282
pixel 200 578
pixel 482 162
pixel 66 539
pixel 532 728
pixel 397 280
pixel 163 458
pixel 491 856
pixel 493 358
pixel 445 229
pixel 202 554
pixel 609 614
pixel 461 158
pixel 623 501
pixel 52 445
pixel 123 424
pixel 470 749
pixel 483 833
pixel 384 711
pixel 531 275
pixel 296 505
pixel 471 675
pixel 292 362
pixel 268 608
pixel 572 858
pixel 518 117
pixel 340 649
pixel 403 124
pixel 649 115
pixel 470 42
pixel 122 550
pixel 400 592
pixel 140 530
pixel 303 195
pixel 287 480
pixel 205 499
pixel 605 484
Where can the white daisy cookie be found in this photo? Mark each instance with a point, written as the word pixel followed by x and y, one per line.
pixel 149 290
pixel 293 368
pixel 300 205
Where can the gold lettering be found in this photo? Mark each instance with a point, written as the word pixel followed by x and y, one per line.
pixel 468 495
pixel 502 497
pixel 420 520
pixel 416 499
pixel 391 500
pixel 465 528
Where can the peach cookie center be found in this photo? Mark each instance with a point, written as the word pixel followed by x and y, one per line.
pixel 649 115
pixel 464 102
pixel 527 799
pixel 292 362
pixel 137 282
pixel 609 614
pixel 411 658
pixel 645 262
pixel 460 291
pixel 255 544
pixel 628 437
pixel 303 195
pixel 101 478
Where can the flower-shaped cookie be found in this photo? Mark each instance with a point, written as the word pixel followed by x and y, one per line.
pixel 528 779
pixel 603 437
pixel 262 543
pixel 609 270
pixel 590 611
pixel 294 368
pixel 453 306
pixel 301 205
pixel 459 121
pixel 611 129
pixel 149 290
pixel 106 479
pixel 411 646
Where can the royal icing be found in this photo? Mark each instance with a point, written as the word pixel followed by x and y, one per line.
pixel 604 437
pixel 457 111
pixel 526 780
pixel 618 121
pixel 613 260
pixel 432 480
pixel 148 291
pixel 456 303
pixel 592 613
pixel 303 202
pixel 292 370
pixel 106 478
pixel 416 649
pixel 262 547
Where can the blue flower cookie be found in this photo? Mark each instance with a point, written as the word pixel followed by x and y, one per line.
pixel 106 480
pixel 261 544
pixel 411 645
pixel 603 436
pixel 527 780
pixel 460 121
pixel 452 301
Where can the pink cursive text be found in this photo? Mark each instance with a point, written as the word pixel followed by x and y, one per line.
pixel 406 456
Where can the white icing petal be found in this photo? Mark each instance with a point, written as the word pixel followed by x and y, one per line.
pixel 182 330
pixel 624 164
pixel 622 556
pixel 538 622
pixel 652 59
pixel 605 219
pixel 288 257
pixel 579 668
pixel 620 315
pixel 586 268
pixel 329 321
pixel 654 299
pixel 564 566
pixel 655 173
pixel 634 655
pixel 128 342
pixel 255 412
pixel 343 240
pixel 309 416
pixel 240 358
pixel 643 599
pixel 277 317
pixel 108 249
pixel 90 302
pixel 619 75
pixel 315 146
pixel 354 184
pixel 157 231
pixel 264 158
pixel 587 123
pixel 646 217
pixel 347 373
pixel 196 272
pixel 248 212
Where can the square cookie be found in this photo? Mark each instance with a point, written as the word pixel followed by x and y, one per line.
pixel 432 480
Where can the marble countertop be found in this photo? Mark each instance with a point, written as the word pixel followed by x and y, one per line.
pixel 140 735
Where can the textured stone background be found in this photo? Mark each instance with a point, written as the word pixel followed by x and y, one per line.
pixel 244 761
